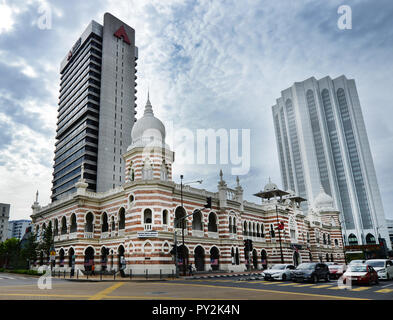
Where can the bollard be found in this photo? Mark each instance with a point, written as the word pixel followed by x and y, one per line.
pixel 130 274
pixel 160 274
pixel 77 273
pixel 147 273
pixel 101 275
pixel 114 274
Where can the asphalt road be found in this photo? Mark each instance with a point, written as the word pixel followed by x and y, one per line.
pixel 23 287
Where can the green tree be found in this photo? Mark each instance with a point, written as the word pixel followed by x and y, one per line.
pixel 29 249
pixel 10 253
pixel 47 242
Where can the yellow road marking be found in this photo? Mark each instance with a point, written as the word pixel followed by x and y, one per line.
pixel 286 284
pixel 323 286
pixel 305 285
pixel 336 288
pixel 360 289
pixel 106 291
pixel 45 295
pixel 262 290
pixel 385 290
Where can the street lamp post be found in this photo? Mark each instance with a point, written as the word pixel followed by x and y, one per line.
pixel 182 228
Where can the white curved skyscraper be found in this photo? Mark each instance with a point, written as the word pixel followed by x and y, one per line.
pixel 322 140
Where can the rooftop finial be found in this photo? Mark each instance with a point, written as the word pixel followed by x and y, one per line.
pixel 238 181
pixel 221 174
pixel 148 107
pixel 36 196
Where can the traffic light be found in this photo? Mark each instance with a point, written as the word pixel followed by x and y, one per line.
pixel 208 202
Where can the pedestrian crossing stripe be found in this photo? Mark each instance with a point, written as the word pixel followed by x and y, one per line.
pixel 360 289
pixel 384 290
pixel 336 288
pixel 305 285
pixel 323 286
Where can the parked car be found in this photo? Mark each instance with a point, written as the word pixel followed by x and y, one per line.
pixel 357 262
pixel 278 272
pixel 336 270
pixel 383 267
pixel 361 273
pixel 312 271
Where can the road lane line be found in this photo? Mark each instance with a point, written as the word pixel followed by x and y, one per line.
pixel 360 289
pixel 286 284
pixel 106 291
pixel 306 285
pixel 265 290
pixel 323 286
pixel 384 290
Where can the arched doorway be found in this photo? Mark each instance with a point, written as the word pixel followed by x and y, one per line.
pixel 255 259
pixel 214 259
pixel 370 239
pixel 121 260
pixel 61 257
pixel 183 259
pixel 296 259
pixel 199 257
pixel 264 259
pixel 237 258
pixel 89 259
pixel 104 258
pixel 71 257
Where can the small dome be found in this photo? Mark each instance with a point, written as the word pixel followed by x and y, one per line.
pixel 270 186
pixel 148 130
pixel 323 200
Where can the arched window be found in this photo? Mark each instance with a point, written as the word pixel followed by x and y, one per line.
pixel 113 224
pixel 272 233
pixel 147 171
pixel 317 235
pixel 234 229
pixel 232 256
pixel 352 239
pixel 179 214
pixel 197 221
pixel 212 226
pixel 258 231
pixel 308 237
pixel 73 227
pixel 230 224
pixel 132 172
pixel 237 258
pixel 165 217
pixel 262 231
pixel 104 227
pixel 244 228
pixel 336 242
pixel 324 238
pixel 61 257
pixel 328 239
pixel 89 222
pixel 147 216
pixel 370 239
pixel 63 225
pixel 56 231
pixel 122 218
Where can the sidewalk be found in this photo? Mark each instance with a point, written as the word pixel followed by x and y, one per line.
pixel 143 278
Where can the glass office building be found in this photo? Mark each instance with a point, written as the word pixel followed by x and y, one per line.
pixel 322 141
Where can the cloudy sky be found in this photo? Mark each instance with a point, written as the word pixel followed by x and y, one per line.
pixel 209 64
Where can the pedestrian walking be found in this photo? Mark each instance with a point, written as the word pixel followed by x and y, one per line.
pixel 190 269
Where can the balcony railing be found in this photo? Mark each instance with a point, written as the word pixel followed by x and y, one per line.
pixel 212 234
pixel 121 232
pixel 63 237
pixel 89 235
pixel 73 235
pixel 198 233
pixel 179 231
pixel 105 235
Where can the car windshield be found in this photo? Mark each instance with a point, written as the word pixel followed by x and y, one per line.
pixel 356 261
pixel 358 268
pixel 306 266
pixel 278 267
pixel 376 264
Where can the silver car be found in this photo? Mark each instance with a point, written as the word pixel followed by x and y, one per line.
pixel 278 272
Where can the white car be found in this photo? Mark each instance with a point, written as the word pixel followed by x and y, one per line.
pixel 278 272
pixel 384 268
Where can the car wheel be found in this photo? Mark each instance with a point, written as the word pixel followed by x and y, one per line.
pixel 376 280
pixel 327 277
pixel 314 278
pixel 284 277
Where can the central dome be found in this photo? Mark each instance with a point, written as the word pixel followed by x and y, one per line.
pixel 323 200
pixel 148 130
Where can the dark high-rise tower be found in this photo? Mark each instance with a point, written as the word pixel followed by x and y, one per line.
pixel 96 107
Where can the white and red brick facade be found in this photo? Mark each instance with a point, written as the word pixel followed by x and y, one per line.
pixel 148 201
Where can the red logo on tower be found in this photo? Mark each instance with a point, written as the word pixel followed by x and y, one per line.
pixel 121 33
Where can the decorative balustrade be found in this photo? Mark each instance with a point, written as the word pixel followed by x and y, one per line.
pixel 231 194
pixel 105 235
pixel 148 227
pixel 212 234
pixel 89 235
pixel 198 233
pixel 73 235
pixel 63 237
pixel 121 232
pixel 179 231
